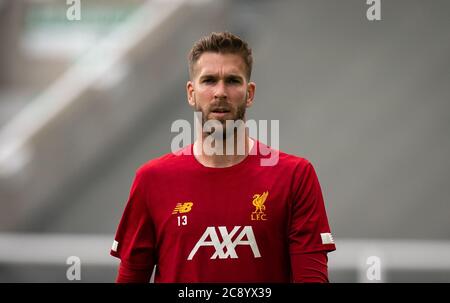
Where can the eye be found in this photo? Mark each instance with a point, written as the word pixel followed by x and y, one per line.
pixel 208 80
pixel 234 81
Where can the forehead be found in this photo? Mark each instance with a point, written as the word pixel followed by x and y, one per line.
pixel 215 63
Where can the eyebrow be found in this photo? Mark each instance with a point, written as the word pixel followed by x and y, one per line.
pixel 230 76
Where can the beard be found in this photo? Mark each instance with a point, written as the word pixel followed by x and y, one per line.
pixel 234 114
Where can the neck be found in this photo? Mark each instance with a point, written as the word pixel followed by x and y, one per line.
pixel 218 155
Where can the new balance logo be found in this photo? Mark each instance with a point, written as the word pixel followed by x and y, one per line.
pixel 227 242
pixel 182 208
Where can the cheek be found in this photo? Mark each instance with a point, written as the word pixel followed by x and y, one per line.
pixel 204 95
pixel 239 95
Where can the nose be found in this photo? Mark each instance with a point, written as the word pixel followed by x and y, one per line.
pixel 220 91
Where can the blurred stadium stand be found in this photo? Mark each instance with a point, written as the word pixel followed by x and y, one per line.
pixel 84 103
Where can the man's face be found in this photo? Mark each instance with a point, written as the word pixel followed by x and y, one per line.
pixel 219 88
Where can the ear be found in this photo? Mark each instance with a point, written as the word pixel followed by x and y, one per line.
pixel 251 87
pixel 190 93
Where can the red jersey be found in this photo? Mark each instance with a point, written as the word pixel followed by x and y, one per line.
pixel 243 223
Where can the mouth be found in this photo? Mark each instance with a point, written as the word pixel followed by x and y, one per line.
pixel 220 111
pixel 219 114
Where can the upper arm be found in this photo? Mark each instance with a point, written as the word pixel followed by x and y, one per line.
pixel 135 236
pixel 309 230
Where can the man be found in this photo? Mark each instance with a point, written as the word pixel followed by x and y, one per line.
pixel 203 216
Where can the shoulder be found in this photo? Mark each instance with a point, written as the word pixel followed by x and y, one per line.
pixel 293 160
pixel 284 160
pixel 168 162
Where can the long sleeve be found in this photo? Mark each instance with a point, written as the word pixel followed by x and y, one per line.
pixel 127 274
pixel 310 267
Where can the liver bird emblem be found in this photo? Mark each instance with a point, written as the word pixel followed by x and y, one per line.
pixel 258 202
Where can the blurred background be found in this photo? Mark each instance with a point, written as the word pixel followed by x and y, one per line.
pixel 83 103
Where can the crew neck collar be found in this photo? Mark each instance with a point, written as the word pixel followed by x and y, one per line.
pixel 252 155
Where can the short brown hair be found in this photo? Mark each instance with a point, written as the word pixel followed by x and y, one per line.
pixel 222 43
